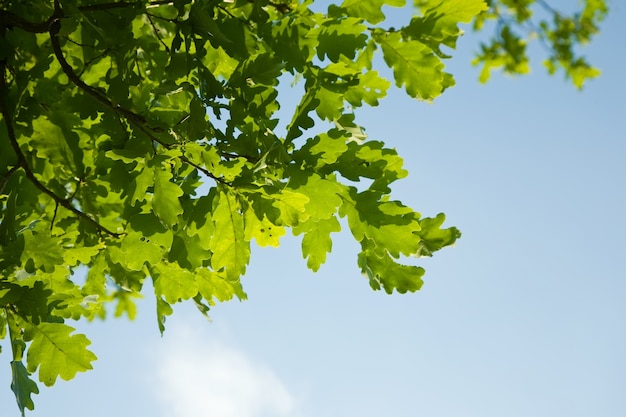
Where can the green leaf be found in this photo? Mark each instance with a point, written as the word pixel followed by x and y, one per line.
pixel 56 352
pixel 292 207
pixel 143 182
pixel 439 23
pixel 391 227
pixel 215 286
pixel 42 250
pixel 414 65
pixel 301 119
pixel 433 237
pixel 316 242
pixel 51 143
pixel 163 310
pixel 324 149
pixel 137 248
pixel 341 38
pixel 22 386
pixel 371 88
pixel 384 272
pixel 200 223
pixel 165 201
pixel 263 231
pixel 188 251
pixel 74 255
pixel 330 104
pixel 369 10
pixel 31 300
pixel 507 52
pixel 371 160
pixel 125 303
pixel 230 250
pixel 173 283
pixel 322 193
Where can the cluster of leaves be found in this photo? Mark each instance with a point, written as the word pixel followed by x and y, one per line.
pixel 140 140
pixel 560 33
pixel 115 114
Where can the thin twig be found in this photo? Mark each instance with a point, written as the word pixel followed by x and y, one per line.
pixel 176 21
pixel 5 178
pixel 156 32
pixel 10 20
pixel 54 216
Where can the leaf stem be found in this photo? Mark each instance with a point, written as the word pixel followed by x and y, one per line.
pixel 156 32
pixel 16 349
pixel 5 178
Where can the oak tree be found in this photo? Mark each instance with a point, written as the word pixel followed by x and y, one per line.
pixel 140 140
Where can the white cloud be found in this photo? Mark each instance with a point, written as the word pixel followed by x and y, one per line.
pixel 203 378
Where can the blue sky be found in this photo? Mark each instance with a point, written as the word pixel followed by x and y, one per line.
pixel 523 317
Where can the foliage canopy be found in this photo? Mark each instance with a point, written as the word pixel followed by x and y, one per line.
pixel 114 113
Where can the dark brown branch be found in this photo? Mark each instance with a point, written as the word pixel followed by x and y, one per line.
pixel 22 163
pixel 156 32
pixel 229 155
pixel 92 60
pixel 11 20
pixel 5 178
pixel 165 19
pixel 204 170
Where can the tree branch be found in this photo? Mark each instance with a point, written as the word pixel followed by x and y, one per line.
pixel 10 20
pixel 53 26
pixel 156 32
pixel 23 163
pixel 5 178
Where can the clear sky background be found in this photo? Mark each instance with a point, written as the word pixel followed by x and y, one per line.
pixel 523 317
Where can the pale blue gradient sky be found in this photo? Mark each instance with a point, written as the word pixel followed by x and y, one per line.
pixel 524 317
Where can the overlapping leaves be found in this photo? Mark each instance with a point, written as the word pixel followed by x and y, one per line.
pixel 141 141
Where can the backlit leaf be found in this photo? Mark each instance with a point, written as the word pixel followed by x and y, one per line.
pixel 56 352
pixel 316 242
pixel 22 386
pixel 173 283
pixel 165 201
pixel 383 272
pixel 231 251
pixel 156 141
pixel 415 66
pixel 370 10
